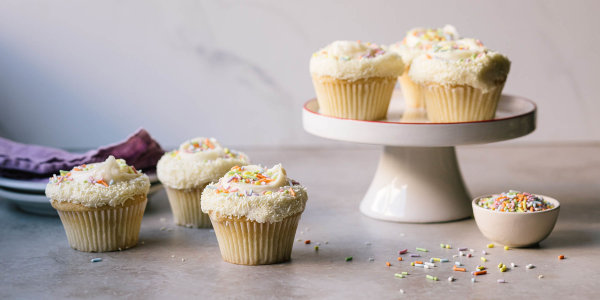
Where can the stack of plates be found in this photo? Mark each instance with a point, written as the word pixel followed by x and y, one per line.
pixel 30 195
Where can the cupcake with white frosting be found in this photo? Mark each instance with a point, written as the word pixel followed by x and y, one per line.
pixel 462 80
pixel 355 80
pixel 101 205
pixel 416 42
pixel 186 171
pixel 255 212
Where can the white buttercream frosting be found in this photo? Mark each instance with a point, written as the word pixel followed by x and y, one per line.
pixel 256 193
pixel 197 162
pixel 111 182
pixel 352 60
pixel 418 40
pixel 461 62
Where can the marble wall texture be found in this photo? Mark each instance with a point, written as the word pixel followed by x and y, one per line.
pixel 81 74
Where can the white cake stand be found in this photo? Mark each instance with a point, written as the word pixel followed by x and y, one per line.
pixel 418 179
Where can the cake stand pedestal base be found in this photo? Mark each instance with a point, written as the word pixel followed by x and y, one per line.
pixel 417 185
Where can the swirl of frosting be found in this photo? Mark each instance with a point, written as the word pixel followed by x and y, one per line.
pixel 461 62
pixel 352 60
pixel 111 182
pixel 419 40
pixel 197 161
pixel 256 193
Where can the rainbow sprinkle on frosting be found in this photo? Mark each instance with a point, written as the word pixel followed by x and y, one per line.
pixel 67 176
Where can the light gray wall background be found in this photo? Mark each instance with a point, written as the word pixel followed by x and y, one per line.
pixel 86 73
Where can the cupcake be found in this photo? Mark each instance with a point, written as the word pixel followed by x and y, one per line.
pixel 462 80
pixel 415 43
pixel 255 212
pixel 355 80
pixel 186 171
pixel 101 205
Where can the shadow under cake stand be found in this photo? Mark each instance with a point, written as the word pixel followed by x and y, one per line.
pixel 418 179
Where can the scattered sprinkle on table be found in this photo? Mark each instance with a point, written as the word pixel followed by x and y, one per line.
pixel 402 251
pixel 387 263
pixel 530 266
pixel 415 255
pixel 401 291
pixel 540 276
pixel 512 265
pixel 483 259
pixel 430 277
pixel 422 249
pixel 473 279
pixel 399 258
pixel 97 259
pixel 479 273
pixel 501 281
pixel 450 279
pixel 349 258
pixel 490 245
pixel 561 257
pixel 398 275
pixel 307 242
pixel 506 248
pixel 316 248
pixel 483 252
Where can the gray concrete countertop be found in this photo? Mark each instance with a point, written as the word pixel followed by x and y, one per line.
pixel 175 262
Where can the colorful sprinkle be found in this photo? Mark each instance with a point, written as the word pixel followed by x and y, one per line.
pixel 422 249
pixel 514 201
pixel 430 277
pixel 97 259
pixel 349 258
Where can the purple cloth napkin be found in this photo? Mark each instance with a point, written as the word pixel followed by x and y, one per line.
pixel 21 161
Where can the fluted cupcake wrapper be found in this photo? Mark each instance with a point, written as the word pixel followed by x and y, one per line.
pixel 104 229
pixel 363 99
pixel 246 242
pixel 411 92
pixel 460 103
pixel 185 204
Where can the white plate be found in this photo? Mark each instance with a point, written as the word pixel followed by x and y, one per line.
pixel 39 204
pixel 38 186
pixel 515 117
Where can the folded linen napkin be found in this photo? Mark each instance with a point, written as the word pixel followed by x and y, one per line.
pixel 22 161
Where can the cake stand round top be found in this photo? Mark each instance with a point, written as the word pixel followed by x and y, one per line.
pixel 515 117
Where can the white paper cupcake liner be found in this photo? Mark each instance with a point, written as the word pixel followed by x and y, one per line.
pixel 104 229
pixel 460 103
pixel 363 99
pixel 185 205
pixel 251 243
pixel 411 92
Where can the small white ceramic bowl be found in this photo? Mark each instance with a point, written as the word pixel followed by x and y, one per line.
pixel 516 229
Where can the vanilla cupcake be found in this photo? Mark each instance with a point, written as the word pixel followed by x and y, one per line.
pixel 462 80
pixel 416 42
pixel 355 80
pixel 186 171
pixel 101 205
pixel 255 212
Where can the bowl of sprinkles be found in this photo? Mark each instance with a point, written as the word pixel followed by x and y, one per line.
pixel 514 218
